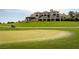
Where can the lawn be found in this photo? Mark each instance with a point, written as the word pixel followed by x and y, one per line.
pixel 44 24
pixel 68 43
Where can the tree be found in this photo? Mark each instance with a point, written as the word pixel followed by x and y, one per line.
pixel 10 22
pixel 0 22
pixel 72 14
pixel 77 16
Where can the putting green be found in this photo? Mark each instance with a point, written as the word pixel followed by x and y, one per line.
pixel 31 35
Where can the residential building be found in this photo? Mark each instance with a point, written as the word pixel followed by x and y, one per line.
pixel 51 15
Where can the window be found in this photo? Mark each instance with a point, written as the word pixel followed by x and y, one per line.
pixel 54 14
pixel 45 15
pixel 36 15
pixel 52 19
pixel 48 15
pixel 40 20
pixel 57 19
pixel 44 20
pixel 57 15
pixel 48 19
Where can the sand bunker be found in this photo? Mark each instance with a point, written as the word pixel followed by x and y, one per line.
pixel 31 35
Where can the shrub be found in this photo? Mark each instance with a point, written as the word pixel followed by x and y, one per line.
pixel 12 26
pixel 10 22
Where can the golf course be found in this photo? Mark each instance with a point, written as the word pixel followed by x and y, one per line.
pixel 40 35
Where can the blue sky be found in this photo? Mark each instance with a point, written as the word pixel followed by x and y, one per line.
pixel 13 14
pixel 18 14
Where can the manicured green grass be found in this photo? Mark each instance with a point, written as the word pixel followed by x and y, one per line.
pixel 44 24
pixel 70 42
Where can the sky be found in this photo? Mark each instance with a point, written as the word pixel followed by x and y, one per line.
pixel 26 7
pixel 39 5
pixel 13 15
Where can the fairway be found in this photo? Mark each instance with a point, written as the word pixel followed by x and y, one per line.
pixel 44 24
pixel 44 35
pixel 31 35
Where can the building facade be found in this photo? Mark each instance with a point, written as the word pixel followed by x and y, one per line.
pixel 51 15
